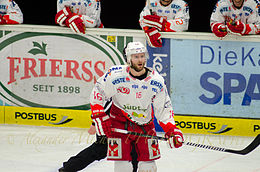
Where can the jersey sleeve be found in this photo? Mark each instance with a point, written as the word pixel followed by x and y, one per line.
pixel 61 4
pixel 253 23
pixel 92 16
pixel 181 19
pixel 216 16
pixel 163 109
pixel 14 14
pixel 144 12
pixel 102 91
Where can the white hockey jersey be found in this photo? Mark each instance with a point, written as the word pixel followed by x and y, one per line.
pixel 11 12
pixel 89 10
pixel 139 99
pixel 249 13
pixel 176 13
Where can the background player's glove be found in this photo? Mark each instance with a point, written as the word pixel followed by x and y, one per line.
pixel 175 137
pixel 155 21
pixel 153 37
pixel 219 29
pixel 7 20
pixel 76 24
pixel 2 21
pixel 237 27
pixel 62 16
pixel 102 120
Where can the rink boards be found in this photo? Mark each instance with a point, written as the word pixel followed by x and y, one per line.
pixel 81 119
pixel 45 117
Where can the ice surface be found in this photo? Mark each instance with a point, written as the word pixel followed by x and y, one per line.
pixel 43 149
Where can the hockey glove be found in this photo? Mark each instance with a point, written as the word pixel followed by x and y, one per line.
pixel 155 21
pixel 102 120
pixel 237 27
pixel 2 21
pixel 219 29
pixel 76 24
pixel 62 16
pixel 7 19
pixel 175 137
pixel 153 37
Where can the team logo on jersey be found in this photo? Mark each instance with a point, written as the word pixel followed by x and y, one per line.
pixel 153 146
pixel 123 90
pixel 120 80
pixel 110 71
pixel 157 84
pixel 140 115
pixel 114 148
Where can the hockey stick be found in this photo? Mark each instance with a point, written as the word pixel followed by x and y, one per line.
pixel 244 151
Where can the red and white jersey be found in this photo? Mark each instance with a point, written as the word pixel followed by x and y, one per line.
pixel 10 12
pixel 89 10
pixel 176 13
pixel 249 13
pixel 140 100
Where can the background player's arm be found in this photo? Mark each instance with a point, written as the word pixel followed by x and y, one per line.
pixel 13 15
pixel 218 21
pixel 181 20
pixel 92 19
pixel 63 13
pixel 253 24
pixel 146 11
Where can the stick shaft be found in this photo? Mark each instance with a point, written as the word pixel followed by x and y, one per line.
pixel 244 151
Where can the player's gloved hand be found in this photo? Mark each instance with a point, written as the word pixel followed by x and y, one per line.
pixel 236 27
pixel 155 21
pixel 153 37
pixel 76 24
pixel 101 120
pixel 62 16
pixel 175 137
pixel 219 29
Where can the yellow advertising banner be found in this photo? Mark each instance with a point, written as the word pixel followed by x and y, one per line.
pixel 218 126
pixel 2 115
pixel 82 119
pixel 47 117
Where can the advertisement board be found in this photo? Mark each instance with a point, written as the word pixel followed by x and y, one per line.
pixel 47 117
pixel 215 78
pixel 55 70
pixel 2 117
pixel 218 126
pixel 159 59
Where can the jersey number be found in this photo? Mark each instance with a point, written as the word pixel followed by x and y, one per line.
pixel 97 96
pixel 139 95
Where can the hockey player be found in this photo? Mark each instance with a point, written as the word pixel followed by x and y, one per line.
pixel 78 14
pixel 138 94
pixel 164 16
pixel 235 16
pixel 10 12
pixel 96 151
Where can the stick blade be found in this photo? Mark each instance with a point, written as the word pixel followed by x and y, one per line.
pixel 248 149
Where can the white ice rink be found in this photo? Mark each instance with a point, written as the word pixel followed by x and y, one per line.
pixel 43 149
